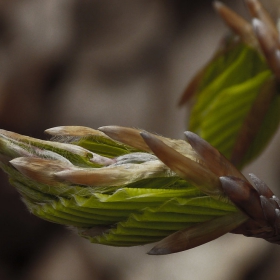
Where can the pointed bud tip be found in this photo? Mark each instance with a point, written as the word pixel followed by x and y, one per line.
pixel 228 182
pixel 152 141
pixel 108 128
pixel 112 131
pixel 145 135
pixel 196 142
pixel 103 128
pixel 189 133
pixel 223 179
pixel 191 136
pixel 54 130
pixel 159 251
pixel 253 176
pixel 18 162
pixel 72 131
pixel 255 179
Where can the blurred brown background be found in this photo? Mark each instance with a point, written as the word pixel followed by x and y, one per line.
pixel 96 63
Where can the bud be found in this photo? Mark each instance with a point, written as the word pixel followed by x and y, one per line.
pixel 236 95
pixel 125 187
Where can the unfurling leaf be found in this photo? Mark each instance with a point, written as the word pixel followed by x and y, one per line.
pixel 236 96
pixel 127 187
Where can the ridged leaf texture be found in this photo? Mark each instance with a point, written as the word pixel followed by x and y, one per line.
pixel 225 95
pixel 140 211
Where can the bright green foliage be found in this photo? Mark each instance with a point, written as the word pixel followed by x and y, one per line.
pixel 140 210
pixel 225 95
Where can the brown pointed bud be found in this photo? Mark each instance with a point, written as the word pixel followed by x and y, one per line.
pixel 261 187
pixel 244 196
pixel 211 157
pixel 258 11
pixel 131 137
pixel 186 168
pixel 236 23
pixel 260 204
pixel 268 210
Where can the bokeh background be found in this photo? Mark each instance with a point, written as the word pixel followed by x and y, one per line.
pixel 96 63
